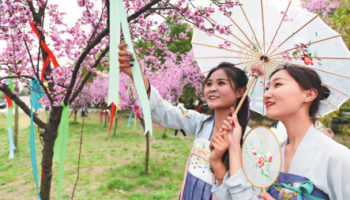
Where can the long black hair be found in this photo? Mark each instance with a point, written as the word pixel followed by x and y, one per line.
pixel 240 80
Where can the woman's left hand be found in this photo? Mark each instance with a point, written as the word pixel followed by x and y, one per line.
pixel 234 129
pixel 265 196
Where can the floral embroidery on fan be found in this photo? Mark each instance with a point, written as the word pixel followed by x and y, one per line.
pixel 261 161
pixel 160 100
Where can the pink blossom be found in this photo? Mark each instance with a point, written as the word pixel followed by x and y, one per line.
pixel 183 36
pixel 260 161
pixel 253 152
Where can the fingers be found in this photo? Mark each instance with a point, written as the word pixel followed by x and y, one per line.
pixel 128 65
pixel 122 46
pixel 265 196
pixel 125 53
pixel 235 122
pixel 227 124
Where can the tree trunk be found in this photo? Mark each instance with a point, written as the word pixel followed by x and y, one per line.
pixel 147 153
pixel 49 144
pixel 106 118
pixel 75 116
pixel 163 136
pixel 15 133
pixel 115 126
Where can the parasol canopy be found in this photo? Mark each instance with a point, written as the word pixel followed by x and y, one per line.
pixel 263 34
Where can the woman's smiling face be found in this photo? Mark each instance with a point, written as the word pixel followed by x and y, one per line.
pixel 283 96
pixel 218 91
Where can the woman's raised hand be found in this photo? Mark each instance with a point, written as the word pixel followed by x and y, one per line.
pixel 218 145
pixel 234 129
pixel 125 57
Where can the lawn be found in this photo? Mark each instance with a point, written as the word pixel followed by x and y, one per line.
pixel 108 170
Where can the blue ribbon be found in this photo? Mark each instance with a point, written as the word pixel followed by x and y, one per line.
pixel 35 92
pixel 129 118
pixel 12 144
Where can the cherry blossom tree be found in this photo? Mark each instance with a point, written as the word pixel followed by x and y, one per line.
pixel 32 49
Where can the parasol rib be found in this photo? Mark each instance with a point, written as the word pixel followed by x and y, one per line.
pixel 218 57
pixel 338 58
pixel 306 44
pixel 242 31
pixel 249 24
pixel 319 114
pixel 278 27
pixel 314 68
pixel 331 104
pixel 294 33
pixel 237 36
pixel 335 89
pixel 218 47
pixel 224 39
pixel 253 89
pixel 263 24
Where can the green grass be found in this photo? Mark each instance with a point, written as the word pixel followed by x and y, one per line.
pixel 108 170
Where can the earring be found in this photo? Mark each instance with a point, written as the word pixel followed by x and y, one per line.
pixel 305 101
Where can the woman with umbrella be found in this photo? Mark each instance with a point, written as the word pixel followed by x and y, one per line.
pixel 224 87
pixel 313 167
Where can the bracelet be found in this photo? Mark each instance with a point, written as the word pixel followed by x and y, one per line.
pixel 149 87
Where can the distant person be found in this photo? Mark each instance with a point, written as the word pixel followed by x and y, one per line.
pixel 190 104
pixel 199 105
pixel 181 106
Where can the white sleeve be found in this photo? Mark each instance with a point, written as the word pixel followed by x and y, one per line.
pixel 171 116
pixel 338 175
pixel 236 187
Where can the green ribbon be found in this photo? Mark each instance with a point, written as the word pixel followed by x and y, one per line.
pixel 305 189
pixel 61 146
pixel 114 40
pixel 118 16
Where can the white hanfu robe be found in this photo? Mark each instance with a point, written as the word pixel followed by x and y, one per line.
pixel 178 118
pixel 318 158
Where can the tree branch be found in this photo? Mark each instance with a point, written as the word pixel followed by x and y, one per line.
pixel 24 76
pixel 22 105
pixel 80 88
pixel 143 9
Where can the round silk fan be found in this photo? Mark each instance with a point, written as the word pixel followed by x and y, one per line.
pixel 261 157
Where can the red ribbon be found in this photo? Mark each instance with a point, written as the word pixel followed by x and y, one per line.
pixel 9 101
pixel 112 117
pixel 50 57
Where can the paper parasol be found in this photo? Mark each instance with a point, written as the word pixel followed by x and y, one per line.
pixel 261 157
pixel 267 33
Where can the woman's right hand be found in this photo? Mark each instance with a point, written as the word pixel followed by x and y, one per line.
pixel 125 57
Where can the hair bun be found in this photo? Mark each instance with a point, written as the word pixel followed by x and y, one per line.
pixel 325 92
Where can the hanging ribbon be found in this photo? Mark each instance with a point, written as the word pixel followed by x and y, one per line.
pixel 9 130
pixel 61 146
pixel 129 118
pixel 112 118
pixel 10 118
pixel 9 101
pixel 118 16
pixel 35 92
pixel 50 57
